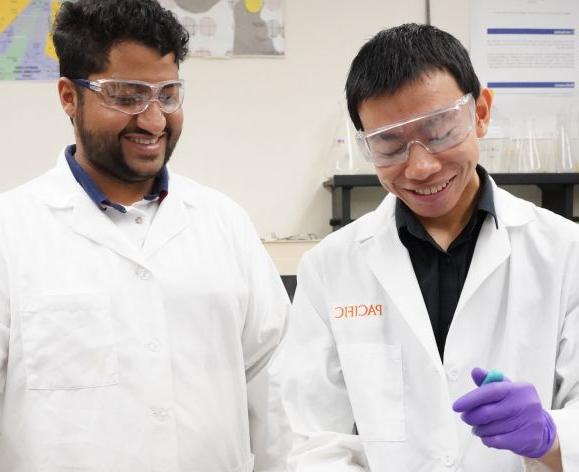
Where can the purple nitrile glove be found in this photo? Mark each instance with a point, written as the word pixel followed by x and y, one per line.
pixel 507 415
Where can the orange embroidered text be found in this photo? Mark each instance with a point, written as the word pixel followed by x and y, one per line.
pixel 352 311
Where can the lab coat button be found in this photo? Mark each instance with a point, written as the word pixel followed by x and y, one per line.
pixel 448 460
pixel 139 220
pixel 452 374
pixel 154 346
pixel 143 274
pixel 160 414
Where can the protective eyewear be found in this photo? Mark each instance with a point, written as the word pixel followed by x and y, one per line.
pixel 133 96
pixel 436 131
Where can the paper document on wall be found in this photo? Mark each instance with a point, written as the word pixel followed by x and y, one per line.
pixel 226 28
pixel 526 52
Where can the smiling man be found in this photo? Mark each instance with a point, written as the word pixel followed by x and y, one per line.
pixel 139 311
pixel 466 277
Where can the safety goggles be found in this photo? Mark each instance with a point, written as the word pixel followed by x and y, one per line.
pixel 436 131
pixel 134 96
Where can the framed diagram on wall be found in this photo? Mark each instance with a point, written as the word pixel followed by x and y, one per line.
pixel 228 28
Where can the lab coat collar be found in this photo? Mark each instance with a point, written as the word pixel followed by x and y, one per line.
pixel 510 212
pixel 65 196
pixel 62 187
pixel 388 259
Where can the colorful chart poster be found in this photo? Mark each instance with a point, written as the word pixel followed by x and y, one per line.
pixel 218 28
pixel 26 49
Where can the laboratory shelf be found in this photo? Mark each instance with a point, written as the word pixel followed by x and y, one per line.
pixel 556 191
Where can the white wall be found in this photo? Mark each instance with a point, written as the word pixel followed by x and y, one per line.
pixel 257 129
pixel 452 16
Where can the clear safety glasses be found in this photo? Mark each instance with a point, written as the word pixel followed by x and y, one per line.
pixel 436 131
pixel 133 96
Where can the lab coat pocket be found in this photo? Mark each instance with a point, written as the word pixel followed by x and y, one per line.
pixel 373 376
pixel 68 341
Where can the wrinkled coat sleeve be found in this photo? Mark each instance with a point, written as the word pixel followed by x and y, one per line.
pixel 566 400
pixel 4 323
pixel 314 391
pixel 265 326
pixel 565 408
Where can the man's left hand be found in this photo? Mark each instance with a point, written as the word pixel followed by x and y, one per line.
pixel 508 415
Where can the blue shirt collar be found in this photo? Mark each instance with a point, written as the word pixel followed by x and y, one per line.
pixel 160 186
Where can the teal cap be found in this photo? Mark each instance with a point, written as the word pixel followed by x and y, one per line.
pixel 493 376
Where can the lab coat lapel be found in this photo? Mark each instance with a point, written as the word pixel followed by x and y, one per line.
pixel 73 207
pixel 492 249
pixel 388 259
pixel 92 223
pixel 170 220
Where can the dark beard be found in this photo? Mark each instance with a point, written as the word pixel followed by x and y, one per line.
pixel 105 154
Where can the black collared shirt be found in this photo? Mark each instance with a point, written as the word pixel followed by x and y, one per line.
pixel 441 275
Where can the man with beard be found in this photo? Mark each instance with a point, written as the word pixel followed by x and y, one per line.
pixel 139 312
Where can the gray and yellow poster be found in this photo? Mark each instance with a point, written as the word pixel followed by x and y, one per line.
pixel 225 28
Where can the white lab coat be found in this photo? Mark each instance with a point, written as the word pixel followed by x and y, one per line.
pixel 360 347
pixel 115 358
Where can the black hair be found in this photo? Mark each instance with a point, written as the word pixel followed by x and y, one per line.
pixel 85 31
pixel 400 55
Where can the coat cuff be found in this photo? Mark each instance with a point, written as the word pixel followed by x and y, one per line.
pixel 567 421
